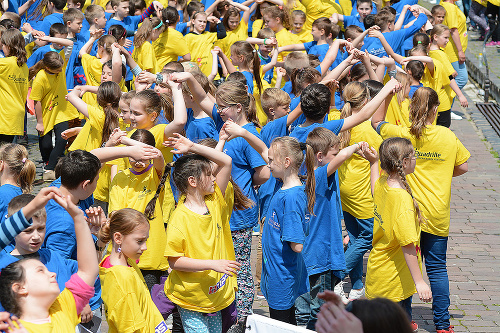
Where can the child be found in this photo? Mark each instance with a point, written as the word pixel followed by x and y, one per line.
pixel 236 26
pixel 393 269
pixel 298 20
pixel 13 93
pixel 434 200
pixel 128 303
pixel 438 13
pixel 27 287
pixel 276 105
pixel 364 7
pixel 96 19
pixel 171 44
pixel 202 259
pixel 200 41
pixel 53 115
pixel 57 38
pixel 278 21
pixel 144 53
pixel 415 70
pixel 55 10
pixel 17 174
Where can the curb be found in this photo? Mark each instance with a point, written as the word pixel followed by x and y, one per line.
pixel 479 75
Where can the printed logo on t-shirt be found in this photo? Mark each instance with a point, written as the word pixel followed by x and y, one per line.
pixel 273 223
pixel 220 284
pixel 378 217
pixel 161 328
pixel 17 79
pixel 144 193
pixel 53 103
pixel 428 155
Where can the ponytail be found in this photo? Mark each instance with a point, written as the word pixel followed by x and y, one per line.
pixel 256 70
pixel 143 33
pixel 310 180
pixel 167 105
pixel 24 170
pixel 108 97
pixel 355 95
pixel 422 106
pixel 252 112
pixel 151 206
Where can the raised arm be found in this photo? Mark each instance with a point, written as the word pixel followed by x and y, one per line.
pixel 94 35
pixel 225 60
pixel 199 95
pixel 343 156
pixel 62 41
pixel 272 63
pixel 234 130
pixel 401 19
pixel 246 10
pixel 116 72
pixel 74 97
pixel 385 44
pixel 180 115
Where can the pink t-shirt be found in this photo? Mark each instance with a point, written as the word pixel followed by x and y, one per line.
pixel 81 291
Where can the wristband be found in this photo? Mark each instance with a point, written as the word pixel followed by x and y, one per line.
pixel 159 78
pixel 265 39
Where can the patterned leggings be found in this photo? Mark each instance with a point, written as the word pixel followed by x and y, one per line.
pixel 242 241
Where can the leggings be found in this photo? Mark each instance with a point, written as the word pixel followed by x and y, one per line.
pixel 50 153
pixel 286 316
pixel 477 14
pixel 4 138
pixel 242 240
pixel 494 11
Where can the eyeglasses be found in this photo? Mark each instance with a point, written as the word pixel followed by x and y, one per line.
pixel 223 108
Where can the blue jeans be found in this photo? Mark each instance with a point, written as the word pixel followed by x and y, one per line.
pixel 197 322
pixel 360 240
pixel 303 309
pixel 319 283
pixel 406 305
pixel 462 76
pixel 434 254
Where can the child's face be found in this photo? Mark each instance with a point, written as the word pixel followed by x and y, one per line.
pixel 124 112
pixel 39 281
pixel 235 58
pixel 439 17
pixel 271 23
pixel 163 88
pixel 139 118
pixel 281 111
pixel 233 22
pixel 443 39
pixel 329 156
pixel 227 111
pixel 71 4
pixel 298 23
pixel 316 33
pixel 409 163
pixel 199 23
pixel 133 245
pixel 56 45
pixel 265 49
pixel 100 21
pixel 276 166
pixel 364 9
pixel 122 10
pixel 75 26
pixel 107 74
pixel 31 239
pixel 207 183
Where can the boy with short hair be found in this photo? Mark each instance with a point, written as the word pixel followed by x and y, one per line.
pixel 438 13
pixel 95 17
pixel 73 18
pixel 58 39
pixel 364 8
pixel 276 104
pixel 55 8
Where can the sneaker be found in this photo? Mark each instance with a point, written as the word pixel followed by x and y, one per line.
pixel 259 294
pixel 449 330
pixel 455 116
pixel 491 44
pixel 356 293
pixel 414 326
pixel 339 290
pixel 49 176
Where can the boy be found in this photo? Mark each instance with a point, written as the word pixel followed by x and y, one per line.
pixel 96 19
pixel 364 8
pixel 55 8
pixel 57 38
pixel 73 18
pixel 293 61
pixel 276 104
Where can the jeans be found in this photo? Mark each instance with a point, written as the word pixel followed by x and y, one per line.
pixel 462 76
pixel 197 322
pixel 360 240
pixel 319 283
pixel 406 305
pixel 434 254
pixel 303 309
pixel 51 154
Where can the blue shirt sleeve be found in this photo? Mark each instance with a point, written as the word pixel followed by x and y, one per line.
pixel 334 125
pixel 12 227
pixel 308 45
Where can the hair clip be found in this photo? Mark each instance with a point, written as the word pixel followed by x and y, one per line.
pixel 23 160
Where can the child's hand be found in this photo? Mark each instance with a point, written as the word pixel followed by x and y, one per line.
pixel 68 204
pixel 228 267
pixel 394 85
pixel 27 28
pixel 37 33
pixel 42 198
pixel 345 45
pixel 424 292
pixel 280 71
pixel 368 153
pixel 97 33
pixel 213 19
pixel 39 127
pixel 180 76
pixel 96 219
pixel 217 50
pixel 146 77
pixel 463 101
pixel 144 153
pixel 272 41
pixel 71 132
pixel 173 84
pixel 120 48
pixel 158 6
pixel 374 31
pixel 181 144
pixel 7 324
pixel 332 84
pixel 141 85
pixel 232 129
pixel 333 318
pixel 115 137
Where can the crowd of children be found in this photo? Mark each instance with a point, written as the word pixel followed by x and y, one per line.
pixel 174 132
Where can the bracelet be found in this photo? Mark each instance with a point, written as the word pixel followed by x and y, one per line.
pixel 265 39
pixel 159 78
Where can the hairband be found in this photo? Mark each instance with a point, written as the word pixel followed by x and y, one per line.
pixel 159 25
pixel 348 102
pixel 419 42
pixel 23 160
pixel 167 22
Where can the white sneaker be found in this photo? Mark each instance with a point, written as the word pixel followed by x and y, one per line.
pixel 339 290
pixel 455 116
pixel 356 293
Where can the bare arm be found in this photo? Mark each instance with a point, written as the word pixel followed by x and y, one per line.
pixel 461 97
pixel 74 98
pixel 460 169
pixel 341 157
pixel 296 247
pixel 186 264
pixel 410 255
pixel 294 115
pixel 116 72
pixel 246 10
pixel 180 114
pixel 401 19
pixel 455 38
pixel 272 63
pixel 215 65
pixel 199 95
pixel 62 41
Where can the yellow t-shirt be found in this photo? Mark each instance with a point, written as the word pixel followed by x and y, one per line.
pixel 318 8
pixel 454 18
pixel 90 137
pixel 240 33
pixel 398 114
pixel 205 237
pixel 395 226
pixel 145 57
pixel 13 93
pixel 257 26
pixel 354 175
pixel 128 303
pixel 62 313
pixel 50 90
pixel 304 36
pixel 131 190
pixel 261 115
pixel 199 47
pixel 438 151
pixel 285 37
pixel 168 47
pixel 444 69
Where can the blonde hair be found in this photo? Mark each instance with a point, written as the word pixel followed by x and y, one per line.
pixel 105 42
pixel 422 109
pixel 144 32
pixel 51 61
pixel 16 158
pixel 234 92
pixel 438 30
pixel 322 139
pixel 355 95
pixel 404 79
pixel 287 146
pixel 273 98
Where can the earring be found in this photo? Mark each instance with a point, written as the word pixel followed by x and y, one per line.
pixel 119 249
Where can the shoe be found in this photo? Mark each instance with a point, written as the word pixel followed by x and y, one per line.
pixel 259 294
pixel 356 293
pixel 22 140
pixel 455 116
pixel 414 326
pixel 491 44
pixel 339 290
pixel 449 330
pixel 49 176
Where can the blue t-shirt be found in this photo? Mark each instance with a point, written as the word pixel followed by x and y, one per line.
pixel 268 76
pixel 39 53
pixel 249 77
pixel 274 129
pixel 7 193
pixel 324 249
pixel 197 129
pixel 301 133
pixel 245 160
pixel 354 11
pixel 48 21
pixel 353 20
pixel 413 89
pixel 284 275
pixel 288 88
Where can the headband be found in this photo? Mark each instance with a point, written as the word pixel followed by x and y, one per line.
pixel 158 26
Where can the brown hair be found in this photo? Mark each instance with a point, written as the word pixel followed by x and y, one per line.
pixel 404 79
pixel 324 23
pixel 355 95
pixel 14 40
pixel 281 13
pixel 352 32
pixel 421 38
pixel 251 59
pixel 438 30
pixel 422 106
pixel 392 152
pixel 190 165
pixel 383 18
pixel 232 93
pixel 16 158
pixel 417 69
pixel 437 8
pixel 231 12
pixel 92 12
pixel 295 60
pixel 299 13
pixel 266 33
pixel 72 14
pixel 21 201
pixel 15 18
pixel 153 102
pixel 273 98
pixel 105 42
pixel 124 221
pixel 322 139
pixel 51 61
pixel 302 77
pixel 287 146
pixel 144 32
pixel 108 97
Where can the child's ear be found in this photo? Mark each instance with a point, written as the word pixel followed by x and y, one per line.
pixel 192 181
pixel 271 110
pixel 287 162
pixel 20 288
pixel 319 156
pixel 153 116
pixel 117 238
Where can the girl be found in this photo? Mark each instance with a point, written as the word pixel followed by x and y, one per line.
pixel 245 57
pixel 17 174
pixel 202 259
pixel 397 112
pixel 354 180
pixel 440 36
pixel 441 156
pixel 393 269
pixel 298 21
pixel 236 26
pixel 277 19
pixel 283 269
pixel 53 115
pixel 124 106
pixel 170 45
pixel 144 54
pixel 30 291
pixel 200 41
pixel 249 170
pixel 128 303
pixel 14 85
